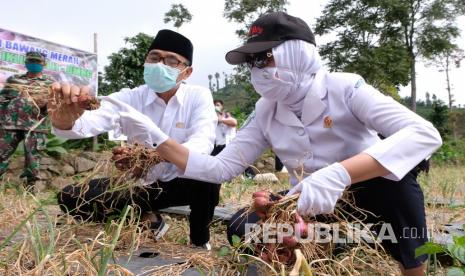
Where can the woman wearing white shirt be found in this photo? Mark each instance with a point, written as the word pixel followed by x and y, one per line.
pixel 323 126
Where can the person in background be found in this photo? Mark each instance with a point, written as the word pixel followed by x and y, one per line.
pixel 225 133
pixel 226 128
pixel 232 131
pixel 23 102
pixel 185 112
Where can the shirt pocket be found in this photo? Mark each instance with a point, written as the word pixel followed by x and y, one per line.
pixel 179 134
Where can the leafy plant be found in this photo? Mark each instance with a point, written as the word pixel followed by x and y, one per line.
pixel 86 143
pixel 235 254
pixel 55 145
pixel 455 250
pixel 42 247
pixel 106 253
pixel 18 227
pixel 451 152
pixel 439 116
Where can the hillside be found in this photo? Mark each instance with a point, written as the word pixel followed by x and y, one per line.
pixel 233 96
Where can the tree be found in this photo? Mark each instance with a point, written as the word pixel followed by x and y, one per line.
pixel 427 99
pixel 178 14
pixel 244 13
pixel 445 56
pixel 360 49
pixel 210 77
pixel 367 28
pixel 440 116
pixel 126 66
pixel 217 77
pixel 225 76
pixel 455 123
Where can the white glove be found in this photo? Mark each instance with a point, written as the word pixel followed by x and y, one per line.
pixel 137 126
pixel 320 191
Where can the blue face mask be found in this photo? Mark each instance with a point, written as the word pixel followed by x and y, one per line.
pixel 160 77
pixel 34 67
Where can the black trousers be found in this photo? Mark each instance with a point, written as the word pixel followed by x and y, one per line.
pixel 217 149
pixel 278 165
pixel 99 203
pixel 399 203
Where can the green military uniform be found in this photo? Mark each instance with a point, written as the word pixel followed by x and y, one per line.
pixel 22 117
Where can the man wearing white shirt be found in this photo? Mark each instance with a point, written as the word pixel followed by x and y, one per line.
pixel 184 112
pixel 226 128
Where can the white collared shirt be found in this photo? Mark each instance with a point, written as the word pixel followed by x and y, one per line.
pixel 189 118
pixel 220 139
pixel 224 133
pixel 341 117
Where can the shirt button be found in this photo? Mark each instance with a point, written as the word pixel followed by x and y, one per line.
pixel 301 132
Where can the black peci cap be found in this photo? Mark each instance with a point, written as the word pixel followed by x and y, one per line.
pixel 168 40
pixel 269 31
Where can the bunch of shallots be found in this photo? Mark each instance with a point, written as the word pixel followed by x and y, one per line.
pixel 275 210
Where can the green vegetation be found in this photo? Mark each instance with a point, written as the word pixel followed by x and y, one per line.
pixel 239 99
pixel 126 68
pixel 450 124
pixel 382 40
pixel 55 145
pixel 178 14
pixel 456 251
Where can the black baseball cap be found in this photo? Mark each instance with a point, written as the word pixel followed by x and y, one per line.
pixel 269 31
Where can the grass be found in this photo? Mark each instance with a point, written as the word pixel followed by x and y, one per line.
pixel 240 190
pixel 446 183
pixel 36 239
pixel 40 242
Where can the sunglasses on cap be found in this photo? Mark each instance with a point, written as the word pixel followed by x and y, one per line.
pixel 259 60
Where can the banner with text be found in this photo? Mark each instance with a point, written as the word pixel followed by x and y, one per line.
pixel 63 63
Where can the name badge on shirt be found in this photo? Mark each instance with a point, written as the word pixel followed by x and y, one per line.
pixel 180 125
pixel 327 122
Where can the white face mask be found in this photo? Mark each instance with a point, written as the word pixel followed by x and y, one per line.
pixel 297 62
pixel 273 83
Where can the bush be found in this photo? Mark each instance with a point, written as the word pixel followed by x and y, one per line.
pixel 439 117
pixel 55 145
pixel 451 152
pixel 456 251
pixel 86 143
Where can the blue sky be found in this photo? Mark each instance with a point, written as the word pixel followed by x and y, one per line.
pixel 73 24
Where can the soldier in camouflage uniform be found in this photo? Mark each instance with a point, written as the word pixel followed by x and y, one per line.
pixel 23 108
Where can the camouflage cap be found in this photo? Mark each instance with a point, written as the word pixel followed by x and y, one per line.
pixel 35 56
